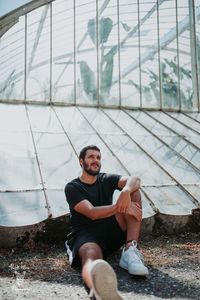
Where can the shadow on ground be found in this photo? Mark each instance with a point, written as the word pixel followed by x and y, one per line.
pixel 173 261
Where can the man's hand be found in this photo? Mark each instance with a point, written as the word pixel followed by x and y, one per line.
pixel 124 202
pixel 125 205
pixel 129 185
pixel 135 211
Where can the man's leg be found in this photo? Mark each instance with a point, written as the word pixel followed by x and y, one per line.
pixel 89 252
pixel 129 223
pixel 133 225
pixel 97 274
pixel 132 259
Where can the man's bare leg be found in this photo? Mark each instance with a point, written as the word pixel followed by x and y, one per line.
pixel 129 223
pixel 131 258
pixel 97 274
pixel 88 253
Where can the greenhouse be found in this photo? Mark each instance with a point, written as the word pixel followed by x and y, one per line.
pixel 120 74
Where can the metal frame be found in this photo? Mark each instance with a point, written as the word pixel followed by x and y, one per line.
pixel 8 20
pixel 178 60
pixel 195 75
pixel 159 59
pixel 193 199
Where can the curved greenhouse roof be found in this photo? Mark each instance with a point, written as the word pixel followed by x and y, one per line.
pixel 133 55
pixel 10 5
pixel 123 77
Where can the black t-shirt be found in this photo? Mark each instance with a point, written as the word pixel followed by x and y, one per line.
pixel 98 194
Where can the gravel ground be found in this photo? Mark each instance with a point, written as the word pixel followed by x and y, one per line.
pixel 42 271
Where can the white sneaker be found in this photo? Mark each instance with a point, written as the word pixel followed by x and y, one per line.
pixel 104 281
pixel 132 261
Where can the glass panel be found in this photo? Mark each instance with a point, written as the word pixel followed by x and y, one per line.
pixel 177 127
pixel 43 119
pixel 86 49
pixel 194 191
pixel 163 38
pixel 168 54
pixel 100 121
pixel 19 169
pixel 63 51
pixel 164 200
pixel 147 210
pixel 17 155
pixel 22 208
pixel 38 54
pixel 195 116
pixel 108 54
pixel 12 62
pixel 136 161
pixel 57 202
pixel 129 53
pixel 174 165
pixel 176 142
pixel 188 122
pixel 57 159
pixel 188 151
pixel 13 118
pixel 149 53
pixel 73 121
pixel 185 69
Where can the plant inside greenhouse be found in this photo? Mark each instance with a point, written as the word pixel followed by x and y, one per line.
pixel 99 149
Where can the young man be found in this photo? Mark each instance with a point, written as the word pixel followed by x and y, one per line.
pixel 101 227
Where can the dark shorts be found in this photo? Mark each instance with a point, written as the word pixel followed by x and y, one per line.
pixel 105 232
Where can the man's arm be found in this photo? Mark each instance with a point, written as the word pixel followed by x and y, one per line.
pixel 85 208
pixel 129 185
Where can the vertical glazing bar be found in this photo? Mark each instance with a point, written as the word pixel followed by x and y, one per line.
pixel 25 58
pixel 197 59
pixel 159 60
pixel 51 52
pixel 178 60
pixel 97 45
pixel 118 31
pixel 140 74
pixel 193 46
pixel 74 51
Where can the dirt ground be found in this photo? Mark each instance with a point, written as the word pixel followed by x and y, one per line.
pixel 41 271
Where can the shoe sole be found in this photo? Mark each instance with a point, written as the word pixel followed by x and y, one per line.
pixel 104 281
pixel 145 273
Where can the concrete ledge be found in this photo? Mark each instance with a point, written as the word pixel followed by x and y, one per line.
pixel 56 230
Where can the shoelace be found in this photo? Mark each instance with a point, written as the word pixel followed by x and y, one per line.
pixel 133 249
pixel 134 254
pixel 134 243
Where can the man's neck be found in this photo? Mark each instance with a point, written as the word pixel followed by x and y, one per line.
pixel 89 179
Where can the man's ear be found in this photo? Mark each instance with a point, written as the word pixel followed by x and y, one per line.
pixel 81 162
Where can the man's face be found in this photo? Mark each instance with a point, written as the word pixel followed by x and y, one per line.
pixel 92 162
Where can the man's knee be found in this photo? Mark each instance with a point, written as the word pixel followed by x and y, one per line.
pixel 136 196
pixel 90 251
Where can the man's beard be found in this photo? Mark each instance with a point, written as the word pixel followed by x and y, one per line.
pixel 90 171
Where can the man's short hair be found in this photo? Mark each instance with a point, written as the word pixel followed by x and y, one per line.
pixel 84 150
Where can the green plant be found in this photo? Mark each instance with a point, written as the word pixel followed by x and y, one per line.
pixel 7 87
pixel 88 78
pixel 169 81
